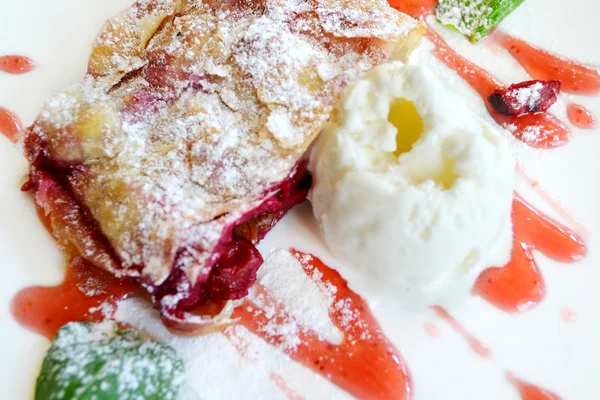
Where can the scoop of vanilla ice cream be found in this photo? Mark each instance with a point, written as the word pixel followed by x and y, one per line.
pixel 410 187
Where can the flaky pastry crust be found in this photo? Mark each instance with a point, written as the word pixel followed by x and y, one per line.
pixel 191 116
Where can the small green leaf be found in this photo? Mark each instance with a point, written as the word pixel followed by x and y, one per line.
pixel 100 362
pixel 474 18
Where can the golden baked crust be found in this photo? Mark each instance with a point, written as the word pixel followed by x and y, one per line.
pixel 193 111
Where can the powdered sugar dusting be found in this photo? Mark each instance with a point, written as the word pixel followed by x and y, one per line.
pixel 293 300
pixel 349 319
pixel 98 361
pixel 236 354
pixel 533 134
pixel 193 110
pixel 465 16
pixel 106 309
pixel 303 298
pixel 529 95
pixel 92 287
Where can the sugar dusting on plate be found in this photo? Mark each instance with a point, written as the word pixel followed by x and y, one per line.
pixel 239 355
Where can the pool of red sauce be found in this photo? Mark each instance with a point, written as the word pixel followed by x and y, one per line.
pixel 580 116
pixel 519 285
pixel 44 310
pixel 10 124
pixel 368 368
pixel 13 64
pixel 415 8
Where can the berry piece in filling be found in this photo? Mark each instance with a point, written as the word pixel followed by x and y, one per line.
pixel 525 98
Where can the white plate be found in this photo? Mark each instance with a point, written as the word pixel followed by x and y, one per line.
pixel 538 345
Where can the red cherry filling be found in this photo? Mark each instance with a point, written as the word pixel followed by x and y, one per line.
pixel 525 98
pixel 235 272
pixel 230 279
pixel 235 261
pixel 238 260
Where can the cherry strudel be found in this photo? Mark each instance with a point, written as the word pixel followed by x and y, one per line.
pixel 185 142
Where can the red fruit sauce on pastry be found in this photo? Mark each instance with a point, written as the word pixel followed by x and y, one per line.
pixel 519 285
pixel 16 64
pixel 475 344
pixel 83 296
pixel 529 391
pixel 10 124
pixel 580 116
pixel 575 77
pixel 366 363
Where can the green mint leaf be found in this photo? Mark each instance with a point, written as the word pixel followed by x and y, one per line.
pixel 474 18
pixel 100 362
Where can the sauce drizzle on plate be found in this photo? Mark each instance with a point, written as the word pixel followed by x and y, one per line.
pixel 580 116
pixel 477 346
pixel 519 285
pixel 16 64
pixel 529 391
pixel 366 363
pixel 86 294
pixel 10 124
pixel 575 77
pixel 539 130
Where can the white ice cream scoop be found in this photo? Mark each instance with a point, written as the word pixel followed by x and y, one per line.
pixel 410 187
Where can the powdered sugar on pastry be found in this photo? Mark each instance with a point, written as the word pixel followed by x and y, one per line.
pixel 194 111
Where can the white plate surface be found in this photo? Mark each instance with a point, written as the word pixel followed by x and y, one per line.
pixel 538 345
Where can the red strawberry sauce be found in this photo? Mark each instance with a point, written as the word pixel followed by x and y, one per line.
pixel 366 364
pixel 79 297
pixel 529 391
pixel 540 130
pixel 16 64
pixel 580 116
pixel 519 285
pixel 575 77
pixel 10 124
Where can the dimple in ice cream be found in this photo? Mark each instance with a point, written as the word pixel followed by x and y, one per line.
pixel 411 188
